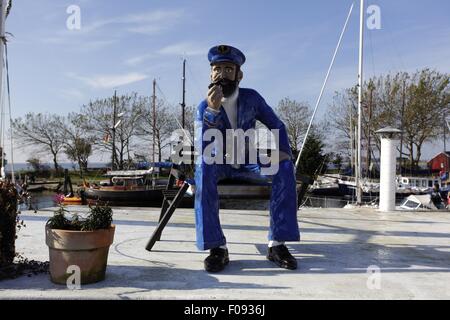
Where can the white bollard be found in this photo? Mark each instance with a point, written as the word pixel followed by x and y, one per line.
pixel 387 169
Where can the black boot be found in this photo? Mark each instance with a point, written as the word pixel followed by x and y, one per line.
pixel 217 260
pixel 282 257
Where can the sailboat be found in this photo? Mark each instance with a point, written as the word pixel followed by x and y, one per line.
pixel 356 184
pixel 23 195
pixel 128 187
pixel 4 11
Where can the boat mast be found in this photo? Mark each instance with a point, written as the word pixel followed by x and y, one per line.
pixel 154 131
pixel 3 8
pixel 183 104
pixel 402 127
pixel 350 113
pixel 360 88
pixel 154 119
pixel 113 155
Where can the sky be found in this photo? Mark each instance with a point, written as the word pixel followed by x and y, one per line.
pixel 124 45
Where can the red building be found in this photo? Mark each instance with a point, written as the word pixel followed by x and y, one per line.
pixel 440 163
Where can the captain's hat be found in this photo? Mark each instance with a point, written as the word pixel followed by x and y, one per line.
pixel 225 53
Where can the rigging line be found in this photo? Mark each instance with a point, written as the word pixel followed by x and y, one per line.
pixel 162 93
pixel 164 97
pixel 176 119
pixel 184 131
pixel 324 84
pixel 10 116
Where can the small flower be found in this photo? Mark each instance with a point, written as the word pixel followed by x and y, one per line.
pixel 58 198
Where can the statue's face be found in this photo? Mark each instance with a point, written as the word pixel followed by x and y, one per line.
pixel 223 70
pixel 225 74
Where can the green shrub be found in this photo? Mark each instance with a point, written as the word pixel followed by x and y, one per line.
pixel 8 222
pixel 12 264
pixel 99 217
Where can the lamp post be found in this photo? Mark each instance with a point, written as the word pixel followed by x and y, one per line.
pixel 389 140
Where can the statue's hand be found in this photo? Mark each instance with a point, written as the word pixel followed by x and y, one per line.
pixel 215 96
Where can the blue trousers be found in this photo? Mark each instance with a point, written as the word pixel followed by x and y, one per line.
pixel 283 201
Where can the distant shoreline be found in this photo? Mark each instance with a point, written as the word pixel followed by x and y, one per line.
pixel 65 165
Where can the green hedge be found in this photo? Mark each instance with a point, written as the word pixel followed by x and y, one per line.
pixel 8 219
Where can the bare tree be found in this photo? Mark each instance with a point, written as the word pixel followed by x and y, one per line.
pixel 296 116
pixel 414 103
pixel 165 124
pixel 97 119
pixel 78 144
pixel 41 133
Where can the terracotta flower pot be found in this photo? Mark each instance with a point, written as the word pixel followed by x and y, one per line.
pixel 86 249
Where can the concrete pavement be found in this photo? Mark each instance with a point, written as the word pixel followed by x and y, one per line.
pixel 344 254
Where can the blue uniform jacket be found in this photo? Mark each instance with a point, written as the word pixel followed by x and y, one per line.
pixel 251 107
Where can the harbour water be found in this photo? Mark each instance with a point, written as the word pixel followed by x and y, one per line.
pixel 41 200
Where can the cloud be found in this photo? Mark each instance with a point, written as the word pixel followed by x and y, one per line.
pixel 149 30
pixel 81 45
pixel 184 48
pixel 153 16
pixel 134 61
pixel 150 23
pixel 177 49
pixel 110 81
pixel 91 36
pixel 72 93
pixel 96 44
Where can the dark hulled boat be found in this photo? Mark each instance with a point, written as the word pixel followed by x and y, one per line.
pixel 130 187
pixel 141 188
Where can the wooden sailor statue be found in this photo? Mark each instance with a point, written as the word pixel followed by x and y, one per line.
pixel 228 107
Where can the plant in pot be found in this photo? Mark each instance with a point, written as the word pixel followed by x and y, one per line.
pixel 83 242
